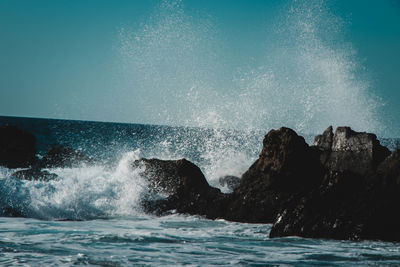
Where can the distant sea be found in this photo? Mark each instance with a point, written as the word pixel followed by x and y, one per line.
pixel 91 216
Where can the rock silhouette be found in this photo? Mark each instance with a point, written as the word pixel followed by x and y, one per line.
pixel 345 186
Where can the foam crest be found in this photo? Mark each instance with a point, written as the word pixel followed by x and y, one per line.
pixel 79 193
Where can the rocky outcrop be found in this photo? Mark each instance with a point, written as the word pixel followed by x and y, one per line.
pixel 181 186
pixel 58 156
pixel 18 150
pixel 357 196
pixel 17 147
pixel 347 150
pixel 286 167
pixel 345 186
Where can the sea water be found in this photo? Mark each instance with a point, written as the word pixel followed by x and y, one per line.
pixel 91 216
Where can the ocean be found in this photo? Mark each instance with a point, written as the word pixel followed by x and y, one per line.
pixel 90 216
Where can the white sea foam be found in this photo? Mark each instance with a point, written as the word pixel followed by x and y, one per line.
pixel 79 193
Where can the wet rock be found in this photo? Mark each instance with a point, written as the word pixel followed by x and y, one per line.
pixel 229 181
pixel 334 210
pixel 357 198
pixel 35 174
pixel 348 150
pixel 17 147
pixel 64 156
pixel 183 187
pixel 285 168
pixel 325 140
pixel 345 186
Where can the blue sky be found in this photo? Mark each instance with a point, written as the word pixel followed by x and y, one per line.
pixel 85 59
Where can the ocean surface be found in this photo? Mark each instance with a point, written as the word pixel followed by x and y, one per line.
pixel 91 216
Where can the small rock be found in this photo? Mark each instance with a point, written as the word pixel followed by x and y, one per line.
pixel 35 174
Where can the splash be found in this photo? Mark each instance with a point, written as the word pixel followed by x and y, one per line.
pixel 310 77
pixel 80 193
pixel 313 78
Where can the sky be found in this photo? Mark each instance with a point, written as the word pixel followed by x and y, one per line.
pixel 131 61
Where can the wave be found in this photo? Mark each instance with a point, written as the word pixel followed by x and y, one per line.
pixel 78 194
pixel 98 191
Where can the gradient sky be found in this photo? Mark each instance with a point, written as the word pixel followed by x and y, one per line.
pixel 61 59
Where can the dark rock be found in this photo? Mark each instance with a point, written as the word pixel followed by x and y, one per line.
pixel 351 151
pixel 325 140
pixel 358 197
pixel 384 190
pixel 346 186
pixel 17 147
pixel 335 210
pixel 229 181
pixel 324 143
pixel 35 174
pixel 183 186
pixel 285 168
pixel 63 156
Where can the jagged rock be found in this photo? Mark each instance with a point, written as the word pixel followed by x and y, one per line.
pixel 358 197
pixel 183 186
pixel 325 140
pixel 229 181
pixel 17 147
pixel 286 167
pixel 63 156
pixel 35 174
pixel 348 150
pixel 344 187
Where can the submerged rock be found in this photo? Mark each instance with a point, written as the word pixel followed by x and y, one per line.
pixel 17 147
pixel 35 174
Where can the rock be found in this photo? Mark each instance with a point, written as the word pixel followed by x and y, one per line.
pixel 384 190
pixel 183 186
pixel 348 150
pixel 17 147
pixel 325 140
pixel 358 197
pixel 334 210
pixel 63 156
pixel 285 168
pixel 35 174
pixel 345 186
pixel 230 182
